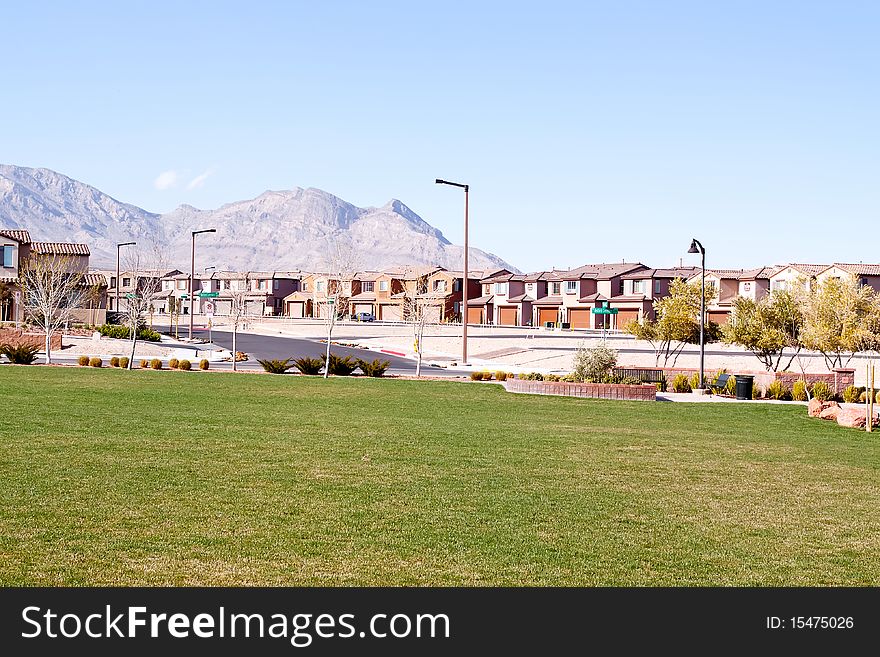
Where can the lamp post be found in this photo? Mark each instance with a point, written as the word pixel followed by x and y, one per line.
pixel 192 274
pixel 118 247
pixel 464 281
pixel 697 247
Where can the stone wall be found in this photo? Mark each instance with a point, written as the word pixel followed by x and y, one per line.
pixel 583 390
pixel 16 337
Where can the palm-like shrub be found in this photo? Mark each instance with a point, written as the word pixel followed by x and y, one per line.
pixel 307 365
pixel 822 391
pixel 799 390
pixel 777 390
pixel 275 366
pixel 341 365
pixel 374 368
pixel 680 383
pixel 23 354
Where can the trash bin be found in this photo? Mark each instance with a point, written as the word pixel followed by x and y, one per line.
pixel 744 385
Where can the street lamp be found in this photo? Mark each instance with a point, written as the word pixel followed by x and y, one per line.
pixel 192 275
pixel 464 280
pixel 697 247
pixel 119 246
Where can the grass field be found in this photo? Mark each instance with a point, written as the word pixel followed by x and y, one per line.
pixel 170 478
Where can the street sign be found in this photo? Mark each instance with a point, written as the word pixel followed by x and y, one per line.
pixel 184 296
pixel 131 296
pixel 209 308
pixel 604 311
pixel 209 295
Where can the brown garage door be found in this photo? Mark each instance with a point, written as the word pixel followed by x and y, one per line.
pixel 625 317
pixel 718 317
pixel 507 316
pixel 475 316
pixel 579 319
pixel 547 315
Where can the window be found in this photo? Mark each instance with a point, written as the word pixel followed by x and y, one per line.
pixel 500 288
pixel 456 285
pixel 571 287
pixel 487 288
pixel 112 281
pixel 638 287
pixel 656 287
pixel 555 287
pixel 780 285
pixel 276 284
pixel 181 285
pixel 305 286
pixel 8 251
pixel 747 287
pixel 863 282
pixel 126 282
pixel 225 285
pixel 620 286
pixel 530 286
pixel 367 286
pixel 439 285
pixel 319 286
pixel 383 286
pixel 263 285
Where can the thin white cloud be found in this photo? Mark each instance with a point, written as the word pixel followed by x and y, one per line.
pixel 199 180
pixel 166 180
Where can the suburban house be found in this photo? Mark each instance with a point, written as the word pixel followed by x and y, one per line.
pixel 134 282
pixel 443 295
pixel 865 274
pixel 641 289
pixel 787 276
pixel 728 284
pixel 17 247
pixel 264 291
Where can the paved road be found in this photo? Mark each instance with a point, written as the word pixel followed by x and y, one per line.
pixel 281 347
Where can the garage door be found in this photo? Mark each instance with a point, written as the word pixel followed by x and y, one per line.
pixel 625 317
pixel 363 308
pixel 718 317
pixel 389 312
pixel 296 310
pixel 547 315
pixel 432 313
pixel 579 319
pixel 507 316
pixel 475 316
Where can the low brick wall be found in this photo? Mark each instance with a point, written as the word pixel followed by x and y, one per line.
pixel 837 379
pixel 583 390
pixel 16 337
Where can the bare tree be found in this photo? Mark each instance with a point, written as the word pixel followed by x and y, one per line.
pixel 238 311
pixel 415 313
pixel 331 300
pixel 52 287
pixel 146 275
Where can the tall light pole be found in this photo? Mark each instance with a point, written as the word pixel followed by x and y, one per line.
pixel 119 246
pixel 464 280
pixel 696 247
pixel 192 275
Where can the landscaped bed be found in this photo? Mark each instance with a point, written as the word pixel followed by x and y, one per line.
pixel 114 478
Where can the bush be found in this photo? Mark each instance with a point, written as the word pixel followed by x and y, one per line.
pixel 877 398
pixel 777 390
pixel 121 332
pixel 173 363
pixel 204 364
pixel 83 360
pixel 595 363
pixel 863 397
pixel 851 394
pixel 756 392
pixel 374 368
pixel 156 364
pixel 631 381
pixel 822 391
pixel 144 363
pixel 730 387
pixel 184 365
pixel 532 376
pixel 23 354
pixel 501 376
pixel 799 390
pixel 275 366
pixel 341 366
pixel 569 378
pixel 680 383
pixel 487 376
pixel 476 376
pixel 551 377
pixel 123 362
pixel 114 361
pixel 694 380
pixel 307 365
pixel 94 361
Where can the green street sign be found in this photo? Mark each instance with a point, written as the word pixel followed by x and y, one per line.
pixel 184 296
pixel 209 295
pixel 131 296
pixel 604 311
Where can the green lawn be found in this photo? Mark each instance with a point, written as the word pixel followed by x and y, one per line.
pixel 171 478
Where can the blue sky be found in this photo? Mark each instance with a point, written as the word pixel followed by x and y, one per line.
pixel 589 132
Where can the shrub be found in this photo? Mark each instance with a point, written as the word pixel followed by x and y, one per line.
pixel 877 398
pixel 663 383
pixel 275 366
pixel 374 368
pixel 756 392
pixel 307 365
pixel 551 377
pixel 799 390
pixel 173 363
pixel 569 378
pixel 631 381
pixel 532 376
pixel 680 383
pixel 83 360
pixel 114 361
pixel 863 397
pixel 694 380
pixel 94 361
pixel 476 376
pixel 595 363
pixel 23 354
pixel 156 364
pixel 487 376
pixel 184 365
pixel 822 391
pixel 851 394
pixel 123 362
pixel 204 364
pixel 730 387
pixel 501 376
pixel 777 390
pixel 144 363
pixel 341 366
pixel 121 332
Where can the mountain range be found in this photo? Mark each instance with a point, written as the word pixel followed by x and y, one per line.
pixel 277 230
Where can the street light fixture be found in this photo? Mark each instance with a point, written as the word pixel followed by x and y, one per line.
pixel 464 280
pixel 119 246
pixel 192 274
pixel 697 247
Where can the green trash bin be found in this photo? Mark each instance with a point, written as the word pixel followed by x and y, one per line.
pixel 744 385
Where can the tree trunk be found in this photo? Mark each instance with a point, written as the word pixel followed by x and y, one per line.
pixel 234 342
pixel 327 361
pixel 48 346
pixel 133 347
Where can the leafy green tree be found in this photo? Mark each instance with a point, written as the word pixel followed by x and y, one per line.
pixel 767 328
pixel 677 323
pixel 594 364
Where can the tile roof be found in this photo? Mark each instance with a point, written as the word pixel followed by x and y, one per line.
pixel 363 296
pixel 59 248
pixel 550 300
pixel 670 272
pixel 481 301
pixel 22 236
pixel 536 276
pixel 298 296
pixel 805 268
pixel 94 279
pixel 601 271
pixel 520 299
pixel 590 298
pixel 860 269
pixel 629 297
